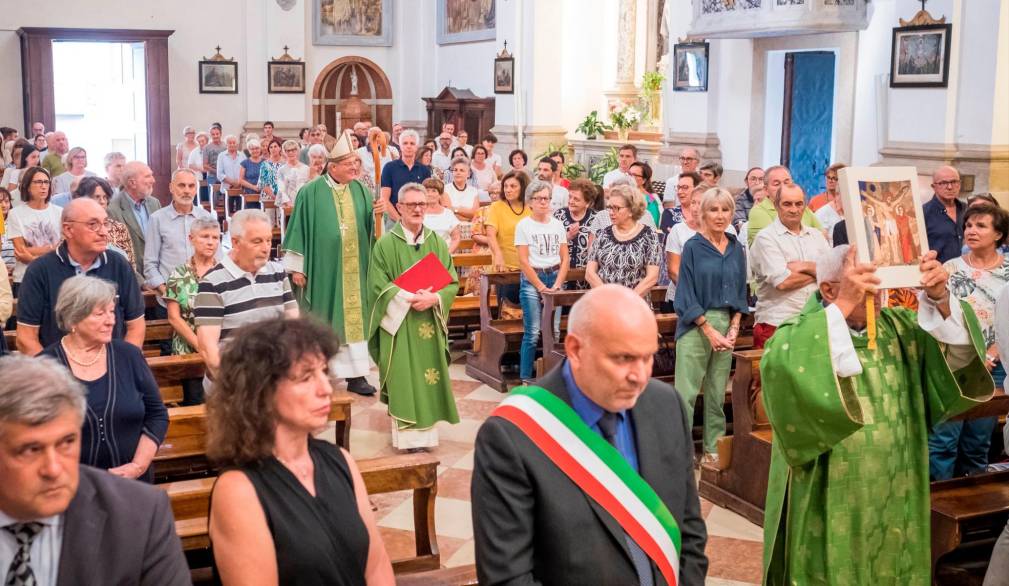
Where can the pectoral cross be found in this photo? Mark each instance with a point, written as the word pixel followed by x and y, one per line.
pixel 343 229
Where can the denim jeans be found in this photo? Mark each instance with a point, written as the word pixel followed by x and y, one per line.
pixel 956 448
pixel 532 310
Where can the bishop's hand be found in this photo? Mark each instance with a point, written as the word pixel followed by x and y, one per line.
pixel 424 299
pixel 857 281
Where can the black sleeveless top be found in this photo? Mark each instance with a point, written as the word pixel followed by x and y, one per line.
pixel 321 539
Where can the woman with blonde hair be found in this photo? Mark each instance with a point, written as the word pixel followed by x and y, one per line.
pixel 710 302
pixel 76 162
pixel 627 252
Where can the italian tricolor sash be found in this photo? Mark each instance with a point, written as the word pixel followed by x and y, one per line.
pixel 599 469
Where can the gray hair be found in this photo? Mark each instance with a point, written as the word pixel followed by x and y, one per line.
pixel 717 195
pixel 535 186
pixel 290 143
pixel 241 218
pixel 411 186
pixel 69 157
pixel 459 161
pixel 78 297
pixel 201 224
pixel 187 129
pixel 204 134
pixel 318 150
pixel 253 142
pixel 230 137
pixel 34 391
pixel 830 264
pixel 113 157
pixel 130 171
pixel 176 173
pixel 409 132
pixel 632 198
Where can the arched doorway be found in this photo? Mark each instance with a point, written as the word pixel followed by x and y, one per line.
pixel 355 87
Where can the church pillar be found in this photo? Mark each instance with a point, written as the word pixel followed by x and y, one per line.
pixel 624 90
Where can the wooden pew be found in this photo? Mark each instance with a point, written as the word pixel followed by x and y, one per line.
pixel 968 514
pixel 498 336
pixel 183 453
pixel 459 576
pixel 415 472
pixel 170 371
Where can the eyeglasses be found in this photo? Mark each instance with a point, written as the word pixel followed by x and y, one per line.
pixel 93 225
pixel 948 183
pixel 539 198
pixel 686 159
pixel 416 204
pixel 831 177
pixel 638 175
pixel 616 208
pixel 40 182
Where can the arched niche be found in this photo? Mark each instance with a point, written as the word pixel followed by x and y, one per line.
pixel 333 93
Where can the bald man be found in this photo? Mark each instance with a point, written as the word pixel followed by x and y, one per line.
pixel 82 252
pixel 58 147
pixel 944 214
pixel 536 518
pixel 133 206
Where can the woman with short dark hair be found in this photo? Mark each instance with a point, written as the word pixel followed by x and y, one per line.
pixel 289 509
pixel 518 159
pixel 36 228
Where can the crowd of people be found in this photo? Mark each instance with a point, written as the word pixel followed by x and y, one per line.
pixel 359 211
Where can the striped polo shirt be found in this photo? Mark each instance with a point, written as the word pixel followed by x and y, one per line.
pixel 230 297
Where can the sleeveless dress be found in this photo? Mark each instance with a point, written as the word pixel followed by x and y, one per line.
pixel 318 540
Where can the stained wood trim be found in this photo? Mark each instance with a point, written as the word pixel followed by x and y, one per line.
pixel 37 86
pixel 786 115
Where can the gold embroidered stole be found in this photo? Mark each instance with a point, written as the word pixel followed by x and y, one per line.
pixel 353 310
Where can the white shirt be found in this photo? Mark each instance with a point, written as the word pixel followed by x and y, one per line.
pixel 368 159
pixel 559 198
pixel 544 240
pixel 441 160
pixel 494 160
pixel 462 200
pixel 37 227
pixel 772 250
pixel 614 175
pixel 62 182
pixel 45 549
pixel 196 160
pixel 829 218
pixel 442 224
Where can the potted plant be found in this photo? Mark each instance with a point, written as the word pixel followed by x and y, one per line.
pixel 592 126
pixel 651 90
pixel 623 119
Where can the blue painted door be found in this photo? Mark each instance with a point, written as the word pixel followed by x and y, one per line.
pixel 807 122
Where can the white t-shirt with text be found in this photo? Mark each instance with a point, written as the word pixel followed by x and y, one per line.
pixel 37 227
pixel 544 240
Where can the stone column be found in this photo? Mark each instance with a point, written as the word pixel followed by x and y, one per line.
pixel 626 23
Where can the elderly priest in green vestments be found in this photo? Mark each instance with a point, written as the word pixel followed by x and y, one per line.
pixel 848 491
pixel 408 332
pixel 327 249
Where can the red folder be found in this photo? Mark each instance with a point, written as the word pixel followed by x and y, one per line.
pixel 427 272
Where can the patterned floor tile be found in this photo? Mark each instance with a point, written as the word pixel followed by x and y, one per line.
pixel 734 559
pixel 452 518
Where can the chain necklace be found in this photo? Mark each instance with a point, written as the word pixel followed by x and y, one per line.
pixel 518 213
pixel 302 472
pixel 998 261
pixel 78 361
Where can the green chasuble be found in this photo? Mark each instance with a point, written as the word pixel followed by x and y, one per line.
pixel 413 364
pixel 848 490
pixel 333 228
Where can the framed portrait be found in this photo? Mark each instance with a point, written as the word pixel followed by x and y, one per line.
pixel 504 75
pixel 919 56
pixel 691 67
pixel 286 77
pixel 218 77
pixel 883 215
pixel 352 22
pixel 466 21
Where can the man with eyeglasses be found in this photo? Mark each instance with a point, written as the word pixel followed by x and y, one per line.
pixel 82 252
pixel 690 159
pixel 943 214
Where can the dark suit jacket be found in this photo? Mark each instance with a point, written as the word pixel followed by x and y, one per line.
pixel 119 531
pixel 121 209
pixel 533 525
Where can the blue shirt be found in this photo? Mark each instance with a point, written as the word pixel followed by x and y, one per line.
pixel 709 280
pixel 944 235
pixel 141 213
pixel 395 174
pixel 591 413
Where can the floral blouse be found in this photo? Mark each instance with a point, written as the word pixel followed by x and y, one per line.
pixel 181 288
pixel 625 262
pixel 578 247
pixel 119 236
pixel 979 288
pixel 268 174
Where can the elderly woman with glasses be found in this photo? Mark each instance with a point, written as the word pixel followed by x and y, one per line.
pixel 185 148
pixel 542 245
pixel 627 252
pixel 76 162
pixel 126 419
pixel 35 228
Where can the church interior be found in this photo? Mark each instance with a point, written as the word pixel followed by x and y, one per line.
pixel 914 85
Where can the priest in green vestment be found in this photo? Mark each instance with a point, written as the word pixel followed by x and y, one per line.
pixel 327 250
pixel 408 332
pixel 848 489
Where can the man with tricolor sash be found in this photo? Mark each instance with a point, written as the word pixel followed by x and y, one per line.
pixel 588 478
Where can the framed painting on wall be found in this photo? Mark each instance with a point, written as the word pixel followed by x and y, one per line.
pixel 883 215
pixel 286 77
pixel 352 22
pixel 690 73
pixel 466 21
pixel 218 77
pixel 504 75
pixel 919 56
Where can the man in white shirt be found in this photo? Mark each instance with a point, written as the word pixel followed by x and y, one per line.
pixel 546 169
pixel 689 161
pixel 627 155
pixel 442 158
pixel 783 259
pixel 229 170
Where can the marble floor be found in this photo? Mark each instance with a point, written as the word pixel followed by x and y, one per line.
pixel 734 544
